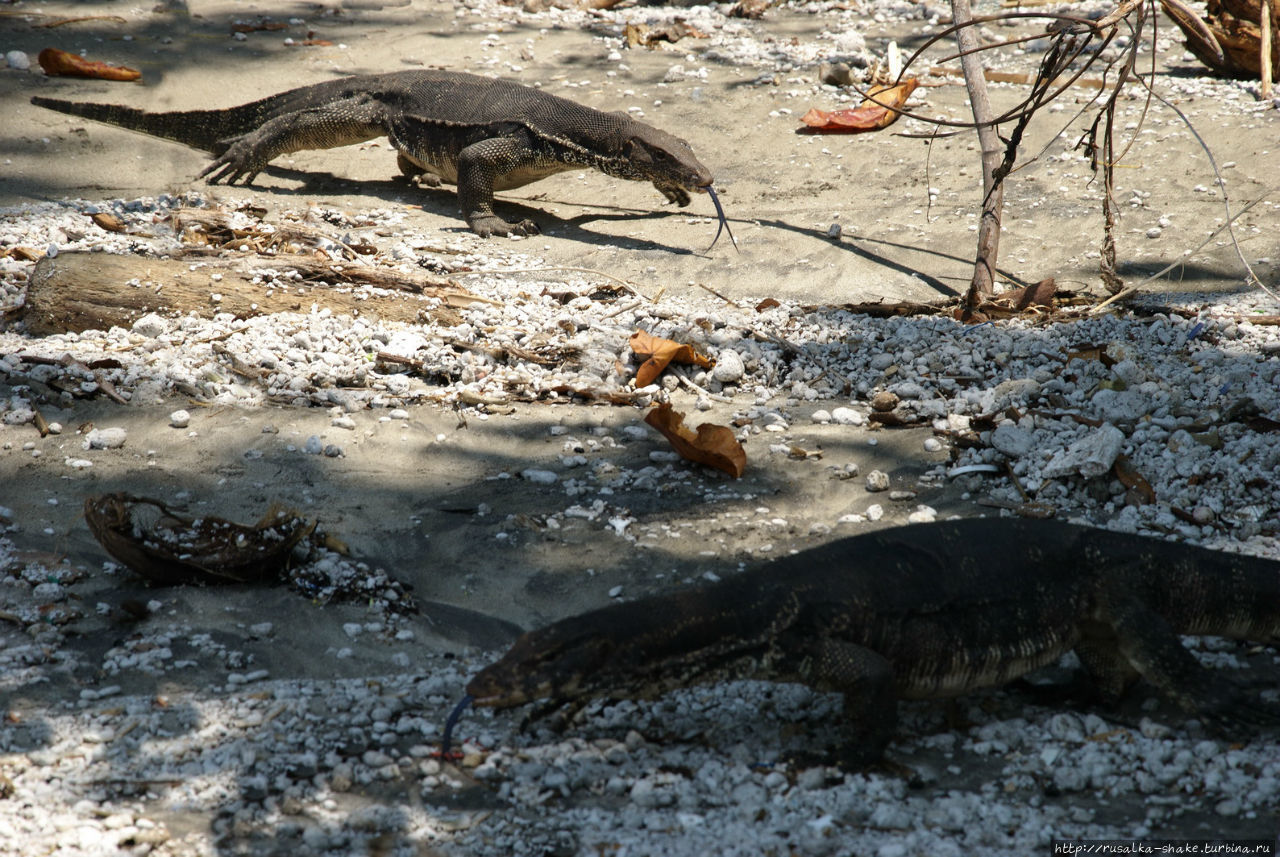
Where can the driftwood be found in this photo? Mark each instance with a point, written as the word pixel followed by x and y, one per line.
pixel 83 291
pixel 1229 37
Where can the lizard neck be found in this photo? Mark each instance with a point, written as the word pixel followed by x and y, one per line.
pixel 709 633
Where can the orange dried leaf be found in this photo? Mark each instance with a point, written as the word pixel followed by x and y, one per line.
pixel 712 445
pixel 1140 492
pixel 108 221
pixel 61 63
pixel 659 352
pixel 868 116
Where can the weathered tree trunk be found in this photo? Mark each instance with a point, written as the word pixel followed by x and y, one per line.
pixel 982 286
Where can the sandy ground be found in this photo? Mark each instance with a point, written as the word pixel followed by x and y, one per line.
pixel 410 496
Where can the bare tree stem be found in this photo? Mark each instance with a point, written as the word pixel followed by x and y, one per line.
pixel 984 266
pixel 1264 60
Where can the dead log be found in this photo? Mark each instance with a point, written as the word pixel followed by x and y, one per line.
pixel 83 291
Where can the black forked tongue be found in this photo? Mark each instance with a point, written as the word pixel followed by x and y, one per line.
pixel 451 722
pixel 724 221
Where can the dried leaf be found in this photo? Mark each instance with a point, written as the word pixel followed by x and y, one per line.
pixel 60 63
pixel 637 35
pixel 712 445
pixel 1038 295
pixel 1091 351
pixel 767 303
pixel 868 116
pixel 659 352
pixel 1140 492
pixel 1262 424
pixel 167 548
pixel 260 26
pixel 108 221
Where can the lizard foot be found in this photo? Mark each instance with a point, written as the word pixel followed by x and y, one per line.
pixel 674 193
pixel 231 166
pixel 486 225
pixel 415 174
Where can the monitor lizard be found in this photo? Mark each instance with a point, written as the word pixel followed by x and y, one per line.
pixel 918 612
pixel 479 133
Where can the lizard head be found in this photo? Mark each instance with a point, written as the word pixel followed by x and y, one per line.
pixel 665 160
pixel 560 661
pixel 652 154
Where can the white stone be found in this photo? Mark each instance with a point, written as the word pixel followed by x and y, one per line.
pixel 729 368
pixel 106 438
pixel 151 325
pixel 1090 456
pixel 847 417
pixel 1012 441
pixel 877 480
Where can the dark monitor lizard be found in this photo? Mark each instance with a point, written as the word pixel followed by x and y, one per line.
pixel 919 612
pixel 481 134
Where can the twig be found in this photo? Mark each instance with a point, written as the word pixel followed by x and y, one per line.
pixel 41 424
pixel 620 310
pixel 717 294
pixel 702 391
pixel 61 21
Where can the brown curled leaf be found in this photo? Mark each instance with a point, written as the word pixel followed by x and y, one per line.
pixel 108 221
pixel 1140 492
pixel 659 352
pixel 868 116
pixel 167 548
pixel 63 64
pixel 712 445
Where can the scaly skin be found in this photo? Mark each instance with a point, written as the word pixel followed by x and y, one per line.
pixel 476 132
pixel 926 611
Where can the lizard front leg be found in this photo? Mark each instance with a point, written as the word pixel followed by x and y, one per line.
pixel 479 166
pixel 339 123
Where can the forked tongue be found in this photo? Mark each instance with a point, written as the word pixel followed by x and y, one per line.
pixel 452 721
pixel 724 221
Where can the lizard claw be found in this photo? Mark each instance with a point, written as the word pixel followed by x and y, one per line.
pixel 229 170
pixel 486 225
pixel 674 193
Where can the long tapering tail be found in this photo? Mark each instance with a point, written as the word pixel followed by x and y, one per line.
pixel 202 129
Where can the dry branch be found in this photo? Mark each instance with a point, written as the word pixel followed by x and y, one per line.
pixel 83 291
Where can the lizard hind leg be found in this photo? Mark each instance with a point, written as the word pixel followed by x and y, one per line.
pixel 865 679
pixel 1154 650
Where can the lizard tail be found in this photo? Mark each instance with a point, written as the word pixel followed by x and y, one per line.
pixel 203 129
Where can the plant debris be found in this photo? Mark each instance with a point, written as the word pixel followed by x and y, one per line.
pixel 167 548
